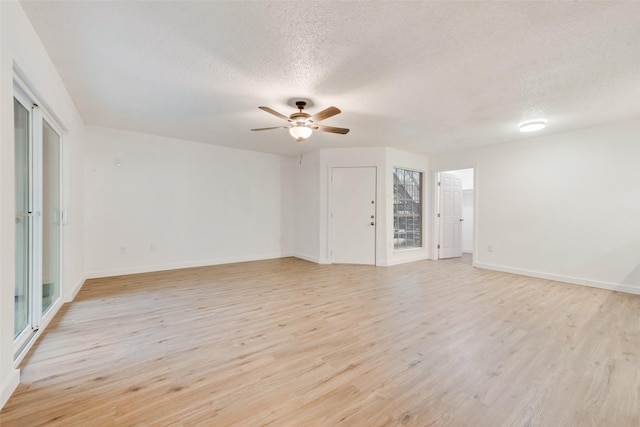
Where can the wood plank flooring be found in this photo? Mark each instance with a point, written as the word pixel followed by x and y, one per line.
pixel 290 343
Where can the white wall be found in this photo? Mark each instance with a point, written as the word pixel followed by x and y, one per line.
pixel 313 194
pixel 155 203
pixel 307 207
pixel 562 206
pixel 21 49
pixel 350 157
pixel 466 175
pixel 467 224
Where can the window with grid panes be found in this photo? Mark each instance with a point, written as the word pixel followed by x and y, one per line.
pixel 407 209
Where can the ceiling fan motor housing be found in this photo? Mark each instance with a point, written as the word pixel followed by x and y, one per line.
pixel 299 117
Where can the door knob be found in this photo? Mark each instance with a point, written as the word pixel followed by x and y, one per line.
pixel 461 219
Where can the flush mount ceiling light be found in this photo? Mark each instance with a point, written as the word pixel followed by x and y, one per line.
pixel 532 125
pixel 302 125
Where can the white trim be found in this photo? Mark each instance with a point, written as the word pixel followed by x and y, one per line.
pixel 75 290
pixel 434 210
pixel 9 387
pixel 433 218
pixel 37 239
pixel 402 256
pixel 421 257
pixel 20 95
pixel 49 315
pixel 44 322
pixel 424 221
pixel 180 265
pixel 307 258
pixel 476 223
pixel 567 279
pixel 20 77
pixel 312 258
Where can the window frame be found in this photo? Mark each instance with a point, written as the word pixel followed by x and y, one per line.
pixel 417 218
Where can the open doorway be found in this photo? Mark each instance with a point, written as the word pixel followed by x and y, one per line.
pixel 456 196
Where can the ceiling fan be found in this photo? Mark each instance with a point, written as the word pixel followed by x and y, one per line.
pixel 302 124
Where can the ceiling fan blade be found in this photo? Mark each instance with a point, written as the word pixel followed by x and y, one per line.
pixel 331 129
pixel 325 114
pixel 274 127
pixel 274 112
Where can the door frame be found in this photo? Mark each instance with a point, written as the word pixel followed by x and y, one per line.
pixel 444 219
pixel 31 327
pixel 38 113
pixel 330 210
pixel 435 224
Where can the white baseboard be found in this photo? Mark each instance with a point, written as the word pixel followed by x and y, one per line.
pixel 179 265
pixel 567 279
pixel 307 257
pixel 9 386
pixel 397 261
pixel 72 295
pixel 404 256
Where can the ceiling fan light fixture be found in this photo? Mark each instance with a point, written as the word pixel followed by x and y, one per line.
pixel 300 132
pixel 532 125
pixel 301 124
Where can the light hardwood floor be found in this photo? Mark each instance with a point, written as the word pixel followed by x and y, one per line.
pixel 290 343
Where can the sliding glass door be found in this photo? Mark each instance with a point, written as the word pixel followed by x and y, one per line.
pixel 37 232
pixel 50 216
pixel 22 311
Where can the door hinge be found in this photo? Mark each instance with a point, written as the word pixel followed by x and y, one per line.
pixel 438 183
pixel 438 215
pixel 438 246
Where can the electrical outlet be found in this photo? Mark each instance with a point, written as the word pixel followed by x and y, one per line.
pixel 123 250
pixel 489 248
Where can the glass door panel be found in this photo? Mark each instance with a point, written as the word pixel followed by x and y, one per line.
pixel 50 216
pixel 22 304
pixel 38 233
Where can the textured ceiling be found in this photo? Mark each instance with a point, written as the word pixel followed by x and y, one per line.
pixel 427 77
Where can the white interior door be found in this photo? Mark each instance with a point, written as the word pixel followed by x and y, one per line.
pixel 450 203
pixel 353 215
